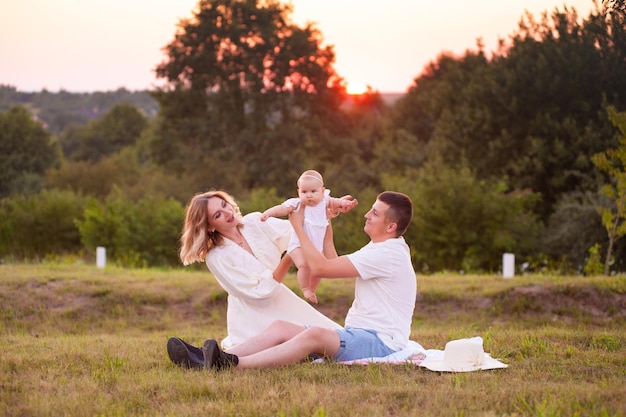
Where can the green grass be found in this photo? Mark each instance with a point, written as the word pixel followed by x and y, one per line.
pixel 81 341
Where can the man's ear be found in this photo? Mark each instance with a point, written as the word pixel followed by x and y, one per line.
pixel 392 227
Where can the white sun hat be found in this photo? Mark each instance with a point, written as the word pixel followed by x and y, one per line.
pixel 461 355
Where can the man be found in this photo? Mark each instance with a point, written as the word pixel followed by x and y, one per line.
pixel 378 322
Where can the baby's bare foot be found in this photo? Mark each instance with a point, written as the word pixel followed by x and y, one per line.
pixel 309 295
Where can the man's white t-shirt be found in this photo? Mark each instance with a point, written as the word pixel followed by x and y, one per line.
pixel 385 291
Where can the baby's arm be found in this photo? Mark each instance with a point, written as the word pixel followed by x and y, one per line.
pixel 341 205
pixel 276 211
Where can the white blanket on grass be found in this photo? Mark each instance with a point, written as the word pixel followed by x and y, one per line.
pixel 468 356
pixel 414 354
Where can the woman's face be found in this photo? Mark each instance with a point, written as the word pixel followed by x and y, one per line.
pixel 221 215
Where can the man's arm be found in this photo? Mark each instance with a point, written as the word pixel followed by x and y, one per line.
pixel 328 248
pixel 340 267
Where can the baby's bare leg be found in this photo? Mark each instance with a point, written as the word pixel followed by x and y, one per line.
pixel 304 275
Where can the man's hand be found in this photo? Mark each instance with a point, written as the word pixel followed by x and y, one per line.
pixel 296 218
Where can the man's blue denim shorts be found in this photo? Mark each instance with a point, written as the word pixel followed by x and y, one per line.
pixel 359 344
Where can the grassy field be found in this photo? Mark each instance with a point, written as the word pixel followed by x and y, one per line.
pixel 82 341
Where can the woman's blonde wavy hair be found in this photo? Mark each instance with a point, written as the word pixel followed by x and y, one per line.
pixel 196 240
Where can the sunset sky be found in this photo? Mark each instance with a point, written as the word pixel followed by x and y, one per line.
pixel 101 45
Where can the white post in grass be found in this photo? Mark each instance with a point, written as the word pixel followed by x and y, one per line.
pixel 508 265
pixel 101 256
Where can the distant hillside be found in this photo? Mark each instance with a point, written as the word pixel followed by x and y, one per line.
pixel 58 110
pixel 391 98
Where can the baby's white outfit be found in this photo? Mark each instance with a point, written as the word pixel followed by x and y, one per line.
pixel 315 221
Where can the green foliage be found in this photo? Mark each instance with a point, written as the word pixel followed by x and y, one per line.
pixel 38 225
pixel 348 228
pixel 26 151
pixel 119 127
pixel 260 199
pixel 593 263
pixel 526 118
pixel 613 163
pixel 142 233
pixel 124 170
pixel 95 179
pixel 533 113
pixel 573 228
pixel 250 95
pixel 60 110
pixel 463 223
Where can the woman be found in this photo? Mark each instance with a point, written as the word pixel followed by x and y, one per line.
pixel 244 255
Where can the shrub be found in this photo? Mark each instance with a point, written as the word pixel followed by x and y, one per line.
pixel 463 223
pixel 138 234
pixel 37 225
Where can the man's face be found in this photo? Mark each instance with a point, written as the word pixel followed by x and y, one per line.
pixel 376 223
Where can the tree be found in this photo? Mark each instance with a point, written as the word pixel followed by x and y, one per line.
pixel 572 229
pixel 26 150
pixel 248 88
pixel 57 111
pixel 462 222
pixel 533 112
pixel 615 5
pixel 119 127
pixel 613 163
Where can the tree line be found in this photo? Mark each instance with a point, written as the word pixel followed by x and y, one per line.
pixel 496 148
pixel 57 111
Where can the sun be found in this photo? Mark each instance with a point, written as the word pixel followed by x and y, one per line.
pixel 355 88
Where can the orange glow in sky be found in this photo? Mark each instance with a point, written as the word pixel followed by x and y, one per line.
pixel 102 45
pixel 356 88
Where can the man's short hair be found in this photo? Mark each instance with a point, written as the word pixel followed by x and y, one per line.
pixel 400 209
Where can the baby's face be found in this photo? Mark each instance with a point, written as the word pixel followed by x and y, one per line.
pixel 310 192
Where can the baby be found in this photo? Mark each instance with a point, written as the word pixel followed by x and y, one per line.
pixel 316 201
